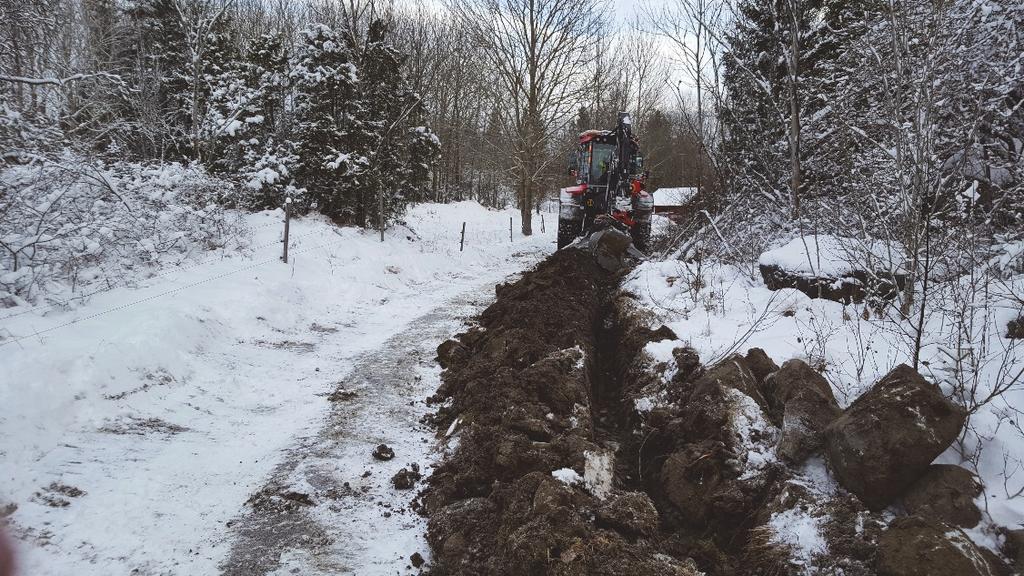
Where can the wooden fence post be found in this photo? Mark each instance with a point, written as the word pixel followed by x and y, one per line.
pixel 542 231
pixel 509 228
pixel 462 240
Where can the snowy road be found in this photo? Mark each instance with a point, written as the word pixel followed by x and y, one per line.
pixel 339 513
pixel 136 427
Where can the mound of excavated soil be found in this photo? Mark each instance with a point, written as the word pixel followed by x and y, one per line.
pixel 517 397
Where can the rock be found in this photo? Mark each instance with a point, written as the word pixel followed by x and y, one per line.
pixel 383 452
pixel 692 475
pixel 687 362
pixel 417 560
pixel 406 478
pixel 832 267
pixel 631 513
pixel 1015 328
pixel 801 400
pixel 913 546
pixel 1014 549
pixel 761 365
pixel 945 493
pixel 734 373
pixel 662 333
pixel 887 438
pixel 451 352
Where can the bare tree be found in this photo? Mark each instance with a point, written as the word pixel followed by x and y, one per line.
pixel 539 52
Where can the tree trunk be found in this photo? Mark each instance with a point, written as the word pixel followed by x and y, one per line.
pixel 794 111
pixel 525 203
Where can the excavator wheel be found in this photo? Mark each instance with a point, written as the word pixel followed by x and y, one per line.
pixel 568 231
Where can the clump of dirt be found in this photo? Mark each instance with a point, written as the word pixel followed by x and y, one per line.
pixel 135 425
pixel 383 452
pixel 406 478
pixel 279 499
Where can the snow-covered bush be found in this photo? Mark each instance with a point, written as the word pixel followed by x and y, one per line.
pixel 71 226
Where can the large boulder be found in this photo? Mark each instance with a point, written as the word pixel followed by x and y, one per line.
pixel 801 400
pixel 945 493
pixel 913 546
pixel 887 438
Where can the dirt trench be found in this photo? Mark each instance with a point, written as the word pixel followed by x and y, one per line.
pixel 550 469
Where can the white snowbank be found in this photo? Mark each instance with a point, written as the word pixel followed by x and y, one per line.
pixel 833 256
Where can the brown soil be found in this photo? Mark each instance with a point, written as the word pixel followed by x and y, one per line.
pixel 526 388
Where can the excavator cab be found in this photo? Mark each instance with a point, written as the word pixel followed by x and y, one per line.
pixel 610 187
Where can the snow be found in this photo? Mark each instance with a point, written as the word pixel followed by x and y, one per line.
pixel 169 403
pixel 753 433
pixel 800 528
pixel 567 476
pixel 599 472
pixel 674 196
pixel 832 256
pixel 801 532
pixel 645 404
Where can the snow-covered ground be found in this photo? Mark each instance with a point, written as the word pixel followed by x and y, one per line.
pixel 719 309
pixel 134 427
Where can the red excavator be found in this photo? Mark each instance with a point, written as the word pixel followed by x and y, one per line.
pixel 609 194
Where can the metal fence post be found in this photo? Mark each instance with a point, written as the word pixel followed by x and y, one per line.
pixel 287 218
pixel 509 228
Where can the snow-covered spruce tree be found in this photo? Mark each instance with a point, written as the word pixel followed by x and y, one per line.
pixel 327 113
pixel 400 154
pixel 266 155
pixel 242 133
pixel 754 120
pixel 779 71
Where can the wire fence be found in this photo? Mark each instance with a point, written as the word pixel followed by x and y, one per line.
pixel 447 242
pixel 450 241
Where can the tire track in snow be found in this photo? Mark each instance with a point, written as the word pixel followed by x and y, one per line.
pixel 354 521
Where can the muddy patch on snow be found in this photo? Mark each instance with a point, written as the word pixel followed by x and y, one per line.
pixel 138 426
pixel 57 495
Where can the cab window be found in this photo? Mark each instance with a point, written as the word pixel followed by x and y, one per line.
pixel 601 162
